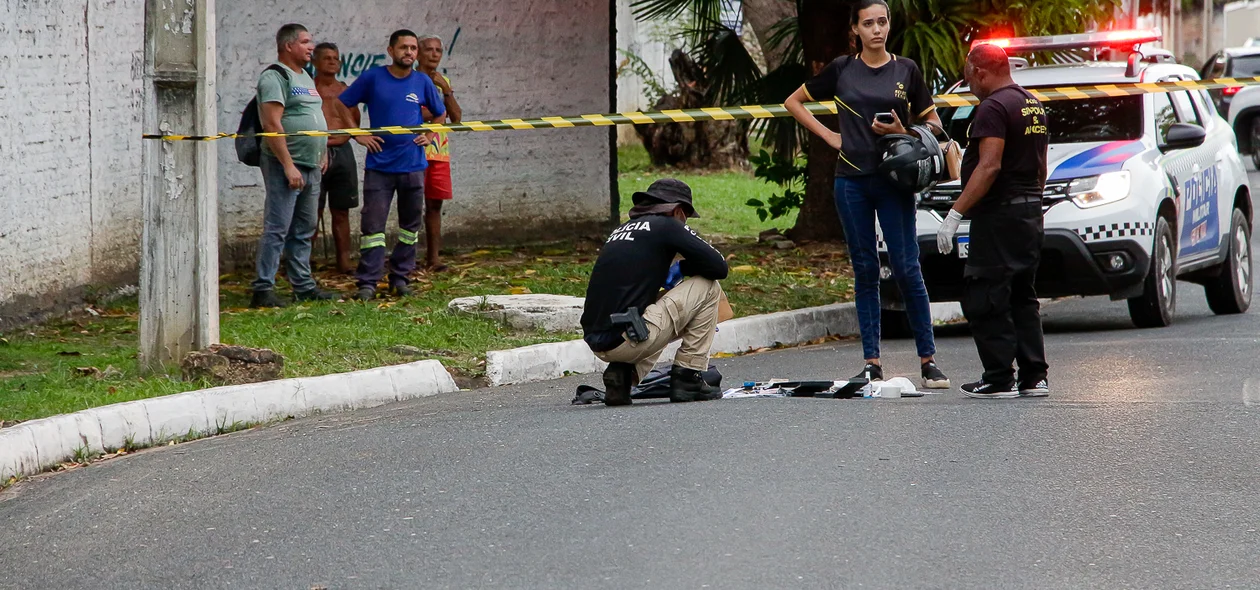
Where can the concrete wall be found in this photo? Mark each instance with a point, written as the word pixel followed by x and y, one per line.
pixel 69 146
pixel 70 120
pixel 1242 22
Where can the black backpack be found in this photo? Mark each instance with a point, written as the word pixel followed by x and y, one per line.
pixel 249 145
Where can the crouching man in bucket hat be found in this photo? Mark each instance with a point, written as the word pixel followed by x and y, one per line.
pixel 627 325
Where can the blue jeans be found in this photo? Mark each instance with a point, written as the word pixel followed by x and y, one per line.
pixel 858 199
pixel 289 219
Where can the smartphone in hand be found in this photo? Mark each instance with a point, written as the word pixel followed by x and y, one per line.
pixel 885 118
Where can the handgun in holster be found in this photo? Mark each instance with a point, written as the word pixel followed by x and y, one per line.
pixel 632 320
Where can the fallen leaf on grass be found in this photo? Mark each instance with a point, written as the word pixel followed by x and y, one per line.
pixel 463 266
pixel 480 253
pixel 420 319
pixel 303 316
pixel 336 312
pixel 531 271
pixel 386 305
pixel 88 372
pixel 744 268
pixel 112 390
pixel 520 290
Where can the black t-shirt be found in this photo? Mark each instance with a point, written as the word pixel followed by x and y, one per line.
pixel 1014 115
pixel 632 268
pixel 860 92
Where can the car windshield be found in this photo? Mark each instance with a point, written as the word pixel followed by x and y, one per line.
pixel 1245 67
pixel 1071 121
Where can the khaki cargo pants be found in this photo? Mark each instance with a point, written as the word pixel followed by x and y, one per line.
pixel 688 311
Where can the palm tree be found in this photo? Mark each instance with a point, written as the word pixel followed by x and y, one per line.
pixel 934 33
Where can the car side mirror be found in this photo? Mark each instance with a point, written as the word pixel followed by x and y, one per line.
pixel 1183 136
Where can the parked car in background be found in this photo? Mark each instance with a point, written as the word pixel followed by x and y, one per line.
pixel 1239 62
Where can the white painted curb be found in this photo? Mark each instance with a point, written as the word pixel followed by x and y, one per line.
pixel 30 447
pixel 543 362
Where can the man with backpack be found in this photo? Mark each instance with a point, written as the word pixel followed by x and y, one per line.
pixel 291 167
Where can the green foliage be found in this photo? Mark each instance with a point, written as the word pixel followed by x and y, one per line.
pixel 790 176
pixel 633 64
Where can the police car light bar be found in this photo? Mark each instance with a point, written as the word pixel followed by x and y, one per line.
pixel 1078 41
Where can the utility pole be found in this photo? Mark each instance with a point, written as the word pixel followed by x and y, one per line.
pixel 1207 30
pixel 179 256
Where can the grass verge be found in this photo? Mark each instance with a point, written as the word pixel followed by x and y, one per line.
pixel 89 358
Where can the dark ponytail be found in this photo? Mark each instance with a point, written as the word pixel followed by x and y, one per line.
pixel 855 40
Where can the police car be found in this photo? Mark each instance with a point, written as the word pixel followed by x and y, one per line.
pixel 1142 191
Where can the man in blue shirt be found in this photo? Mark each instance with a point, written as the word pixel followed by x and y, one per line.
pixel 394 95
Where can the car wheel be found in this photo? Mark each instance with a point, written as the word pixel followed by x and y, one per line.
pixel 1154 307
pixel 1230 292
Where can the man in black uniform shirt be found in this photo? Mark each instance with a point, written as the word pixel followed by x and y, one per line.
pixel 630 271
pixel 1003 175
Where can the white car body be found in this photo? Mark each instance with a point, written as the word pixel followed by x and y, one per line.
pixel 1108 248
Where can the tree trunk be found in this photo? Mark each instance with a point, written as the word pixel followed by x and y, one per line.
pixel 703 144
pixel 762 16
pixel 825 36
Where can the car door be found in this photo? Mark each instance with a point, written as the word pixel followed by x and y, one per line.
pixel 1196 176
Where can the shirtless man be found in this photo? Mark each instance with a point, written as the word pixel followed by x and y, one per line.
pixel 340 186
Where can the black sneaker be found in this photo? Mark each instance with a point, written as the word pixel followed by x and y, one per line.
pixel 619 378
pixel 933 378
pixel 267 298
pixel 984 390
pixel 875 371
pixel 686 385
pixel 365 294
pixel 312 295
pixel 399 289
pixel 1039 388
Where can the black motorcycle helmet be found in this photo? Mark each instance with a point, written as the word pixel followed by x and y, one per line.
pixel 912 162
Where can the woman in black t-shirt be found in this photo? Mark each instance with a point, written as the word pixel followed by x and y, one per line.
pixel 871 82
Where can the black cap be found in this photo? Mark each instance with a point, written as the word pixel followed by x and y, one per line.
pixel 667 190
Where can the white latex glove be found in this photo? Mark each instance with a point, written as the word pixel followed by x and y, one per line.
pixel 945 235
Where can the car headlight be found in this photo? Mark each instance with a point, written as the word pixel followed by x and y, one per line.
pixel 1093 191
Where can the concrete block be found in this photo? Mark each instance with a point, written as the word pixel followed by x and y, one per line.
pixel 228 405
pixel 56 439
pixel 88 429
pixel 277 399
pixel 550 313
pixel 946 312
pixel 173 416
pixel 540 362
pixel 17 452
pixel 343 391
pixel 122 422
pixel 420 379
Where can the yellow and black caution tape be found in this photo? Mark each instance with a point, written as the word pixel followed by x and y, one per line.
pixel 740 112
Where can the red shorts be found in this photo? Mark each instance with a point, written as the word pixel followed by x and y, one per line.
pixel 437 181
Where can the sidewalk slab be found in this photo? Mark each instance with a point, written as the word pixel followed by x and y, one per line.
pixel 30 447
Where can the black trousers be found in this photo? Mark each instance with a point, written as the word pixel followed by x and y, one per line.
pixel 1000 301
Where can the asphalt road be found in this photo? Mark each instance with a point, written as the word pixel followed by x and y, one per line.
pixel 1141 470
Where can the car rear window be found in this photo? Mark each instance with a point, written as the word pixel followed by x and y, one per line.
pixel 1245 67
pixel 1071 121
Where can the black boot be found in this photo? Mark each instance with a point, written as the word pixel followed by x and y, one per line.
pixel 686 385
pixel 266 298
pixel 619 378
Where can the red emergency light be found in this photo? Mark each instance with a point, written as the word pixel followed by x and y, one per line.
pixel 1078 41
pixel 1231 90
